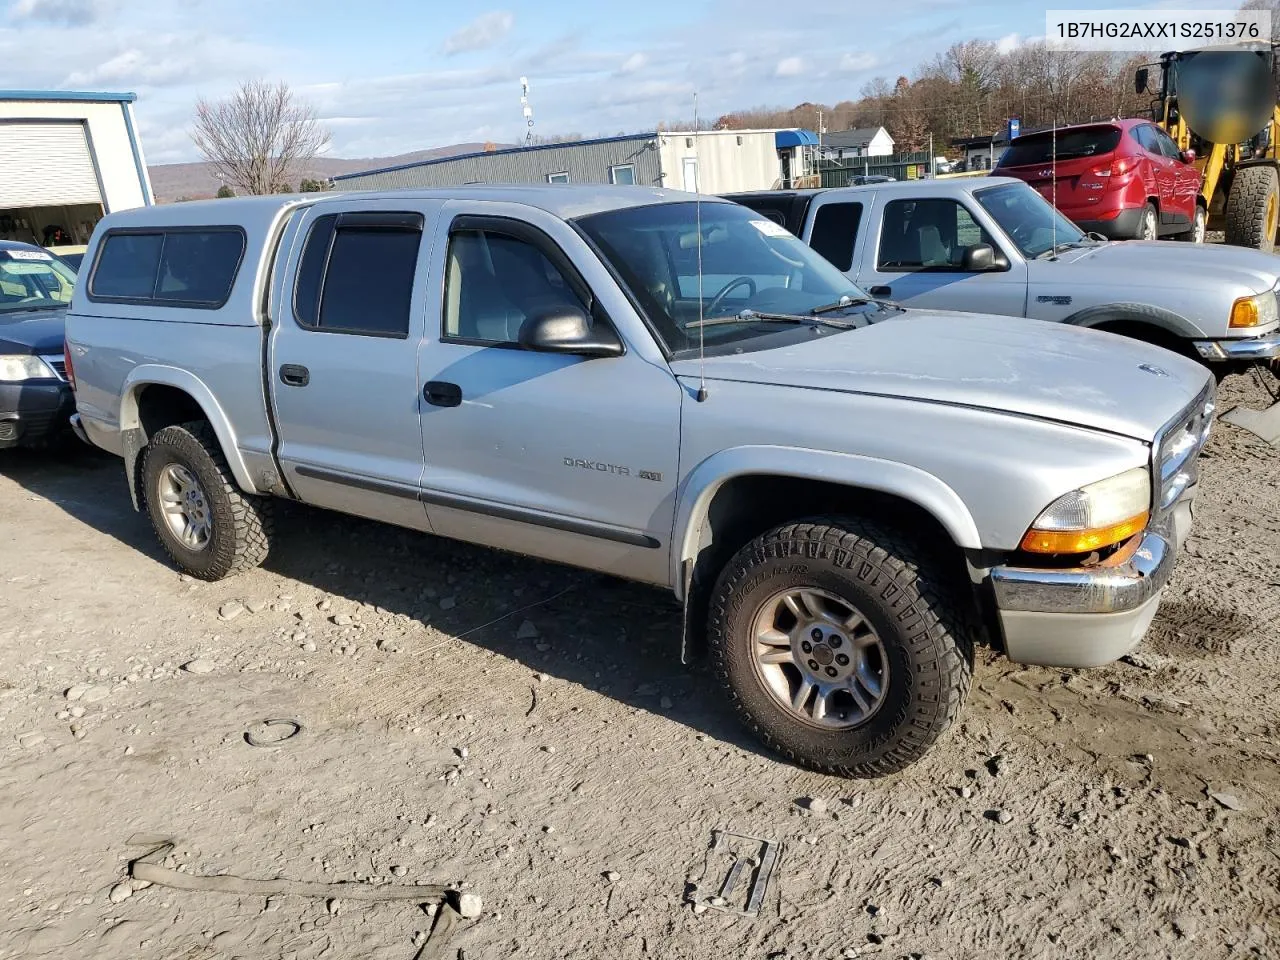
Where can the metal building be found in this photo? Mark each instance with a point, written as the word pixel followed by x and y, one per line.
pixel 66 159
pixel 715 161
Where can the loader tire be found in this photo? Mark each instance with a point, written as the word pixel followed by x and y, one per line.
pixel 1253 208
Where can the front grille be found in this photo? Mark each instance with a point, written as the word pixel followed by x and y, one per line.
pixel 1179 445
pixel 59 364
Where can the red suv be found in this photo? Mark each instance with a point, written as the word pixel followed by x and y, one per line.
pixel 1125 179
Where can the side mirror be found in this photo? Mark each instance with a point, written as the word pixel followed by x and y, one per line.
pixel 567 329
pixel 979 258
pixel 1140 80
pixel 1188 156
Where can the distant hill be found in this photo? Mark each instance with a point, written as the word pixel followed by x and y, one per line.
pixel 172 181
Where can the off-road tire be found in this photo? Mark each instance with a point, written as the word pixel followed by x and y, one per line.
pixel 1254 192
pixel 926 620
pixel 241 523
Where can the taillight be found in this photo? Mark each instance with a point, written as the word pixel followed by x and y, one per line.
pixel 1116 168
pixel 66 362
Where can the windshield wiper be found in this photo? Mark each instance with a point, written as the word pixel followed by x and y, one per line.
pixel 752 316
pixel 846 302
pixel 1065 245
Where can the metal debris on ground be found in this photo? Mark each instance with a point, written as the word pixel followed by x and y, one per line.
pixel 295 729
pixel 148 868
pixel 751 864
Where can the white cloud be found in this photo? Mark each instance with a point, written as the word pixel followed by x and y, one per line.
pixel 790 67
pixel 633 63
pixel 482 32
pixel 71 13
pixel 855 62
pixel 1008 43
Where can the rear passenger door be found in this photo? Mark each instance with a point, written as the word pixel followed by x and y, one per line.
pixel 349 315
pixel 918 258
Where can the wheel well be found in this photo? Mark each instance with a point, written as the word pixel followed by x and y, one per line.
pixel 160 406
pixel 1146 332
pixel 747 506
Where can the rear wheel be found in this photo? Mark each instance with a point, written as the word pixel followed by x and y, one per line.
pixel 1253 208
pixel 1149 224
pixel 205 523
pixel 840 646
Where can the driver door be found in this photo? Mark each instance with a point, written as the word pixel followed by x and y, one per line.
pixel 918 260
pixel 570 458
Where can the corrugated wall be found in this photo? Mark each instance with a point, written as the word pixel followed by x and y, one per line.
pixel 584 162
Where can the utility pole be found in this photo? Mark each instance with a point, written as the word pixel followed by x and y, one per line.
pixel 932 171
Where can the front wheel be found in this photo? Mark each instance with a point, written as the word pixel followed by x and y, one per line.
pixel 1198 226
pixel 840 647
pixel 205 523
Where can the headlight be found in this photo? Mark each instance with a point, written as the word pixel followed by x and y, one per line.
pixel 1093 517
pixel 24 366
pixel 1256 311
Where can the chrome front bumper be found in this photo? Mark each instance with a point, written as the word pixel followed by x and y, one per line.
pixel 1124 582
pixel 1088 616
pixel 1247 348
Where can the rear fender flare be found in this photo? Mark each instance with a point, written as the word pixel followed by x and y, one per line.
pixel 134 435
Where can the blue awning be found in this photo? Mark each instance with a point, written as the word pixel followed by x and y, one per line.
pixel 794 138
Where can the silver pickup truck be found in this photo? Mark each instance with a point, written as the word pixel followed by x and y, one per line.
pixel 844 503
pixel 994 245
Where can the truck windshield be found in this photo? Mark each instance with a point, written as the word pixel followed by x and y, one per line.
pixel 748 263
pixel 33 280
pixel 1031 222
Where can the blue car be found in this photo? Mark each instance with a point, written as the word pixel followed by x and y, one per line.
pixel 36 401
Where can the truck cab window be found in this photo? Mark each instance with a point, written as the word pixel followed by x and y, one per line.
pixel 835 227
pixel 496 282
pixel 358 278
pixel 927 234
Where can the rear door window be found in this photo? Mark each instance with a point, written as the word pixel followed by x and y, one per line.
pixel 835 229
pixel 357 273
pixel 1070 145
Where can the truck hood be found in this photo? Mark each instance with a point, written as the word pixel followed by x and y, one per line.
pixel 32 332
pixel 1004 364
pixel 1165 266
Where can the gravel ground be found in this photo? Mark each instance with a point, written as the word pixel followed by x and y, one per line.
pixel 527 731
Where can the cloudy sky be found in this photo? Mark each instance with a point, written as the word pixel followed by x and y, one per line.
pixel 389 76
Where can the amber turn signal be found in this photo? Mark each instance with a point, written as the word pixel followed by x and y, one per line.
pixel 1083 541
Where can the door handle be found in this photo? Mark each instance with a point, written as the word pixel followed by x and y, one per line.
pixel 880 291
pixel 294 375
pixel 439 393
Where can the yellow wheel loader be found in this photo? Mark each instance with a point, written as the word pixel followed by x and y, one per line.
pixel 1222 105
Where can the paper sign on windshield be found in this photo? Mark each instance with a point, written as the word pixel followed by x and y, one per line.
pixel 27 254
pixel 769 228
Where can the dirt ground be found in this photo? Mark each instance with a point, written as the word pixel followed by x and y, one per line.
pixel 528 731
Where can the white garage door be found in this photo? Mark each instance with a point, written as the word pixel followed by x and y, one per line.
pixel 46 164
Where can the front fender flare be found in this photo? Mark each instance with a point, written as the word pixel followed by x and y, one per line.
pixel 134 436
pixel 1149 314
pixel 870 473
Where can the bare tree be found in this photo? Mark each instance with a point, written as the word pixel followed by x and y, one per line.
pixel 260 139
